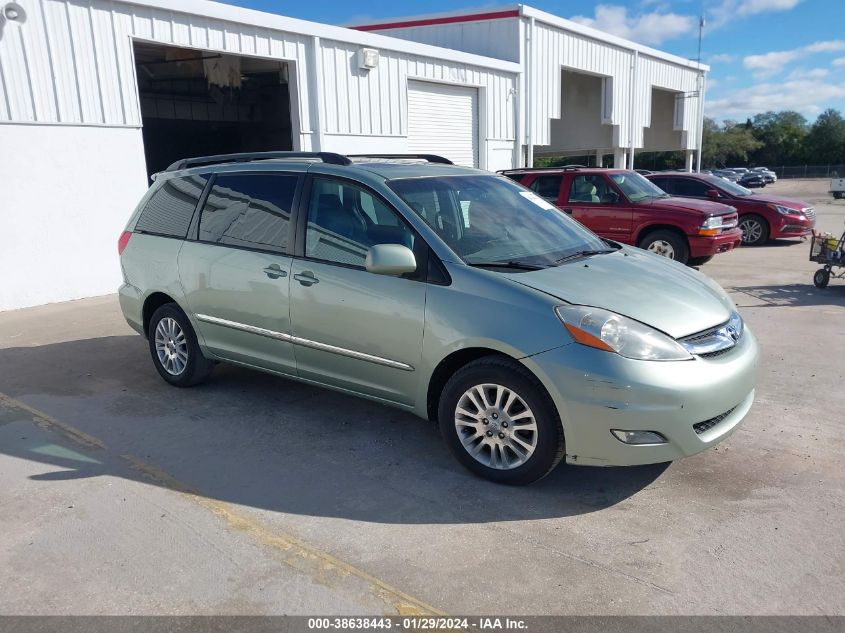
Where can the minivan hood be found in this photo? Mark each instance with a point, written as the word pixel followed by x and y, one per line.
pixel 654 290
pixel 691 205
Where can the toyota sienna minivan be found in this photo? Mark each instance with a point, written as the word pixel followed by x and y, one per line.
pixel 449 292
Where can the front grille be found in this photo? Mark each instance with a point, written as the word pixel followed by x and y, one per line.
pixel 702 427
pixel 718 352
pixel 810 212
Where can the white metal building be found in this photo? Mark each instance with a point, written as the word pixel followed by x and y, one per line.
pixel 581 90
pixel 95 95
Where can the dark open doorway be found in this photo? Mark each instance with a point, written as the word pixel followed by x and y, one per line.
pixel 195 103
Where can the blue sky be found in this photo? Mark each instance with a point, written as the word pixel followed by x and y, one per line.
pixel 764 54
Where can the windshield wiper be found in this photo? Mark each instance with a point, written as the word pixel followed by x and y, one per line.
pixel 581 254
pixel 509 264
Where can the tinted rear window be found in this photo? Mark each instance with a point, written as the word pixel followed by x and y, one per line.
pixel 171 207
pixel 251 210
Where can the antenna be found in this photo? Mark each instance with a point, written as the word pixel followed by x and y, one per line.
pixel 701 23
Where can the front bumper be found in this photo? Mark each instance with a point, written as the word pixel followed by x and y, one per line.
pixel 704 246
pixel 597 391
pixel 793 226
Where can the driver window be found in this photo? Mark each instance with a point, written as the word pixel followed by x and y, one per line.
pixel 592 190
pixel 345 220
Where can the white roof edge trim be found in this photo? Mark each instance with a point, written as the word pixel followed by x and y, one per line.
pixel 588 31
pixel 275 22
pixel 493 8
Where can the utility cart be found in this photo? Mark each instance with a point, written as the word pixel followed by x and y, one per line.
pixel 828 251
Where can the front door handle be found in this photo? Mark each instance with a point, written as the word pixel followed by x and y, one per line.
pixel 306 278
pixel 274 271
pixel 569 211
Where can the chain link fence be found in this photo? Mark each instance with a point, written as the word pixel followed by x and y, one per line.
pixel 810 171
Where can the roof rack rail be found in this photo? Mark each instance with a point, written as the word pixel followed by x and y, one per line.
pixel 326 157
pixel 431 158
pixel 559 168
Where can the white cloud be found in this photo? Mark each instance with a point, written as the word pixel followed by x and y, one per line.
pixel 804 73
pixel 768 64
pixel 839 61
pixel 728 11
pixel 722 58
pixel 808 96
pixel 649 28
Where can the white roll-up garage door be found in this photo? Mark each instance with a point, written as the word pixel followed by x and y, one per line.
pixel 443 119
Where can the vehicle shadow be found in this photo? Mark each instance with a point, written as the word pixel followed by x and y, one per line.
pixel 267 442
pixel 796 294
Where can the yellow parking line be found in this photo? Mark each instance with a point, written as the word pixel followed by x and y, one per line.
pixel 323 567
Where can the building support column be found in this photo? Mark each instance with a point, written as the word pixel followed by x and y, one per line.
pixel 690 158
pixel 618 158
pixel 631 158
pixel 599 158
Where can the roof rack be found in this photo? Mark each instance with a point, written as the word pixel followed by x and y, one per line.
pixel 431 158
pixel 560 168
pixel 326 157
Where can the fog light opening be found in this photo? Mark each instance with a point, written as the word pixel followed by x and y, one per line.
pixel 639 438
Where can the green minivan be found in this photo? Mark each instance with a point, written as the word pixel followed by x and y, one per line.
pixel 450 292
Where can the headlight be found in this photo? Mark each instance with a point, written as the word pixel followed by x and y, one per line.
pixel 713 222
pixel 613 332
pixel 784 210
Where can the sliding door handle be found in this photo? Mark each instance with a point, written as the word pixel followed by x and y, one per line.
pixel 274 271
pixel 306 278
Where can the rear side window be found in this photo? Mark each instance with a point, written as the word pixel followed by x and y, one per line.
pixel 171 207
pixel 667 184
pixel 690 187
pixel 547 187
pixel 251 210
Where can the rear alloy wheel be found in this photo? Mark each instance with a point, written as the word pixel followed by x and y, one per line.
pixel 174 348
pixel 666 244
pixel 755 230
pixel 499 421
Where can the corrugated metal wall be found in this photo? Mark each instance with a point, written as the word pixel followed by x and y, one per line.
pixel 493 38
pixel 71 62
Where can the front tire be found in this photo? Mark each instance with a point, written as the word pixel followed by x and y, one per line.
pixel 666 244
pixel 174 348
pixel 755 230
pixel 499 422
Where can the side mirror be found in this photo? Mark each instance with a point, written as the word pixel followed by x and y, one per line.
pixel 390 259
pixel 713 193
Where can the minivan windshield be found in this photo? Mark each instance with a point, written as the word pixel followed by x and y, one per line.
pixel 491 220
pixel 635 187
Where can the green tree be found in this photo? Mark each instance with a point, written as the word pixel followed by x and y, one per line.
pixel 727 144
pixel 825 144
pixel 782 136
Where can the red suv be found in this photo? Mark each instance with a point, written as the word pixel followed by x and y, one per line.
pixel 622 205
pixel 761 216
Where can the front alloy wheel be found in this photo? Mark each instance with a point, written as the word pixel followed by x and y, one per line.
pixel 754 229
pixel 498 420
pixel 495 426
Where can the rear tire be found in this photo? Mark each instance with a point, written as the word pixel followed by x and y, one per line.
pixel 666 244
pixel 755 230
pixel 699 261
pixel 821 278
pixel 174 348
pixel 498 420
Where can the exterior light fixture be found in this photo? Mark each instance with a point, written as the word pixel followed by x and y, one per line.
pixel 367 58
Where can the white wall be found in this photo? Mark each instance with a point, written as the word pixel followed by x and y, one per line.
pixel 67 192
pixel 580 126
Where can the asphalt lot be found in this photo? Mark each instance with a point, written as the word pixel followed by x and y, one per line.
pixel 256 495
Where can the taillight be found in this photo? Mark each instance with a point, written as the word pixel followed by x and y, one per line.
pixel 123 241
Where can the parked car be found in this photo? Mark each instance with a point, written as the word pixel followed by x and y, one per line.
pixel 445 291
pixel 761 217
pixel 768 175
pixel 727 174
pixel 622 205
pixel 751 180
